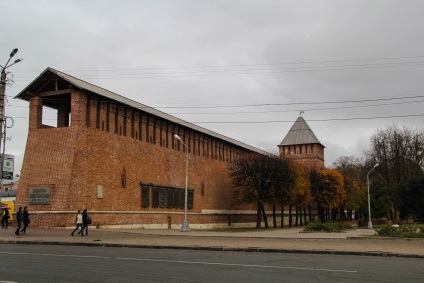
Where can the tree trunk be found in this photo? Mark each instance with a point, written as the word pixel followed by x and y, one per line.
pixel 321 214
pixel 300 216
pixel 310 214
pixel 264 214
pixel 327 217
pixel 282 216
pixel 274 216
pixel 334 214
pixel 297 216
pixel 304 215
pixel 258 215
pixel 290 216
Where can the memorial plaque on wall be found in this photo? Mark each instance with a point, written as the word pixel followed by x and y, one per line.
pixel 39 196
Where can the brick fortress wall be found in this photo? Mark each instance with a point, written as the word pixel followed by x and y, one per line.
pixel 115 147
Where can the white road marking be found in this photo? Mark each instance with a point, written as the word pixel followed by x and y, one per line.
pixel 187 262
pixel 237 264
pixel 57 255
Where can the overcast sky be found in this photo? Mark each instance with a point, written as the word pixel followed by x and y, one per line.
pixel 268 60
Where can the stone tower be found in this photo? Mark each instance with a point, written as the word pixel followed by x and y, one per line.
pixel 303 146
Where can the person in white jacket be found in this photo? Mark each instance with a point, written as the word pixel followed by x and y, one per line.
pixel 79 224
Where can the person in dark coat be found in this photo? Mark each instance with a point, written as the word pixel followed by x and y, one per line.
pixel 25 219
pixel 85 221
pixel 5 219
pixel 19 220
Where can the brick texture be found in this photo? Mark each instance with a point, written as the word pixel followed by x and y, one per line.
pixel 105 142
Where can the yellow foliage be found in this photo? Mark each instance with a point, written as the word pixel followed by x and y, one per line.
pixel 330 191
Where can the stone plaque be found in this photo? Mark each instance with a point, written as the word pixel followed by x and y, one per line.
pixel 39 196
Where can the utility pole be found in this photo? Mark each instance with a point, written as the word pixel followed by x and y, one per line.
pixel 3 83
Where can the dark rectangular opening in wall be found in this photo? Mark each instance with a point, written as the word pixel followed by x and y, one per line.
pixel 147 128
pixel 154 130
pixel 107 116
pixel 155 196
pixel 116 120
pixel 98 115
pixel 190 199
pixel 166 196
pixel 160 134
pixel 125 122
pixel 167 135
pixel 145 196
pixel 189 141
pixel 140 127
pixel 87 113
pixel 173 137
pixel 132 124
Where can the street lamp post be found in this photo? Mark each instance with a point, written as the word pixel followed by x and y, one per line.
pixel 369 202
pixel 3 82
pixel 185 226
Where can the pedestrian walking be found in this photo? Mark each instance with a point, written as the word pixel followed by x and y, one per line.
pixel 19 220
pixel 79 224
pixel 5 218
pixel 25 219
pixel 86 220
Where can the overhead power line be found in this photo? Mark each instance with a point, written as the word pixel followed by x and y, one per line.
pixel 277 111
pixel 49 99
pixel 310 120
pixel 240 71
pixel 287 121
pixel 238 65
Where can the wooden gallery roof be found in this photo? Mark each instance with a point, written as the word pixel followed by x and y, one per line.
pixel 52 82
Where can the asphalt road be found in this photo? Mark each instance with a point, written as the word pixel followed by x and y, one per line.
pixel 32 263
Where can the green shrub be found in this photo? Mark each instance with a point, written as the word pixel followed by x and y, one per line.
pixel 403 231
pixel 344 226
pixel 327 227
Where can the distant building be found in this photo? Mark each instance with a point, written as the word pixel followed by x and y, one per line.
pixel 303 146
pixel 9 186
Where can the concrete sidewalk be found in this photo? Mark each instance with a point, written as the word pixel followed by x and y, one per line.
pixel 355 242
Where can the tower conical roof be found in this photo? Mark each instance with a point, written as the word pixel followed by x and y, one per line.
pixel 300 133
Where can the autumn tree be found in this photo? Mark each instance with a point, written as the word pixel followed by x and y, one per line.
pixel 328 191
pixel 255 177
pixel 351 167
pixel 354 175
pixel 286 176
pixel 400 153
pixel 300 194
pixel 355 196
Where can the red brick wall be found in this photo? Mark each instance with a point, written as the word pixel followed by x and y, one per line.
pixel 310 156
pixel 73 161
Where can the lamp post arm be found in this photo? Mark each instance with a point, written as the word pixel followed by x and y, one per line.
pixel 14 63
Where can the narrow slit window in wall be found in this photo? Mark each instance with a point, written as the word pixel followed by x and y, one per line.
pixel 123 178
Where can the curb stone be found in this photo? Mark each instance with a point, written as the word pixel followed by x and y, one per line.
pixel 214 248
